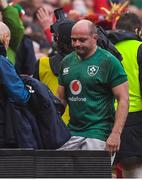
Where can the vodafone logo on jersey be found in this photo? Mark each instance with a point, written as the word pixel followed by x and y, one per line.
pixel 75 87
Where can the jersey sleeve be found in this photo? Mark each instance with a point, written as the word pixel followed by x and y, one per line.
pixel 117 74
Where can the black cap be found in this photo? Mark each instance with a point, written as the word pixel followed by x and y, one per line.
pixel 64 31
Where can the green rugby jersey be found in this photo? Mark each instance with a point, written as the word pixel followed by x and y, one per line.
pixel 88 88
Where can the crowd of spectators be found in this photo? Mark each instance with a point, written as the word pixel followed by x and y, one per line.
pixel 39 15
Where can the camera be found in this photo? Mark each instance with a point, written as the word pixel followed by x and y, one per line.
pixel 60 17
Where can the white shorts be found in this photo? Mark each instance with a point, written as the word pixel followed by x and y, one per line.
pixel 83 143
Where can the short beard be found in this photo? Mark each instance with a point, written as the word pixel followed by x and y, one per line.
pixel 83 54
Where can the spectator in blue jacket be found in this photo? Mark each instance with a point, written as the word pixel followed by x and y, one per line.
pixel 12 83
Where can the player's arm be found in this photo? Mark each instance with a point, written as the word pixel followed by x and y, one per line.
pixel 61 94
pixel 121 94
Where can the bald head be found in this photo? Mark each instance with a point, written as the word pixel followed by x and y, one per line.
pixel 4 29
pixel 4 34
pixel 84 38
pixel 85 25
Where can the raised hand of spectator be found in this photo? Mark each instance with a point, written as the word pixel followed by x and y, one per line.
pixel 44 17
